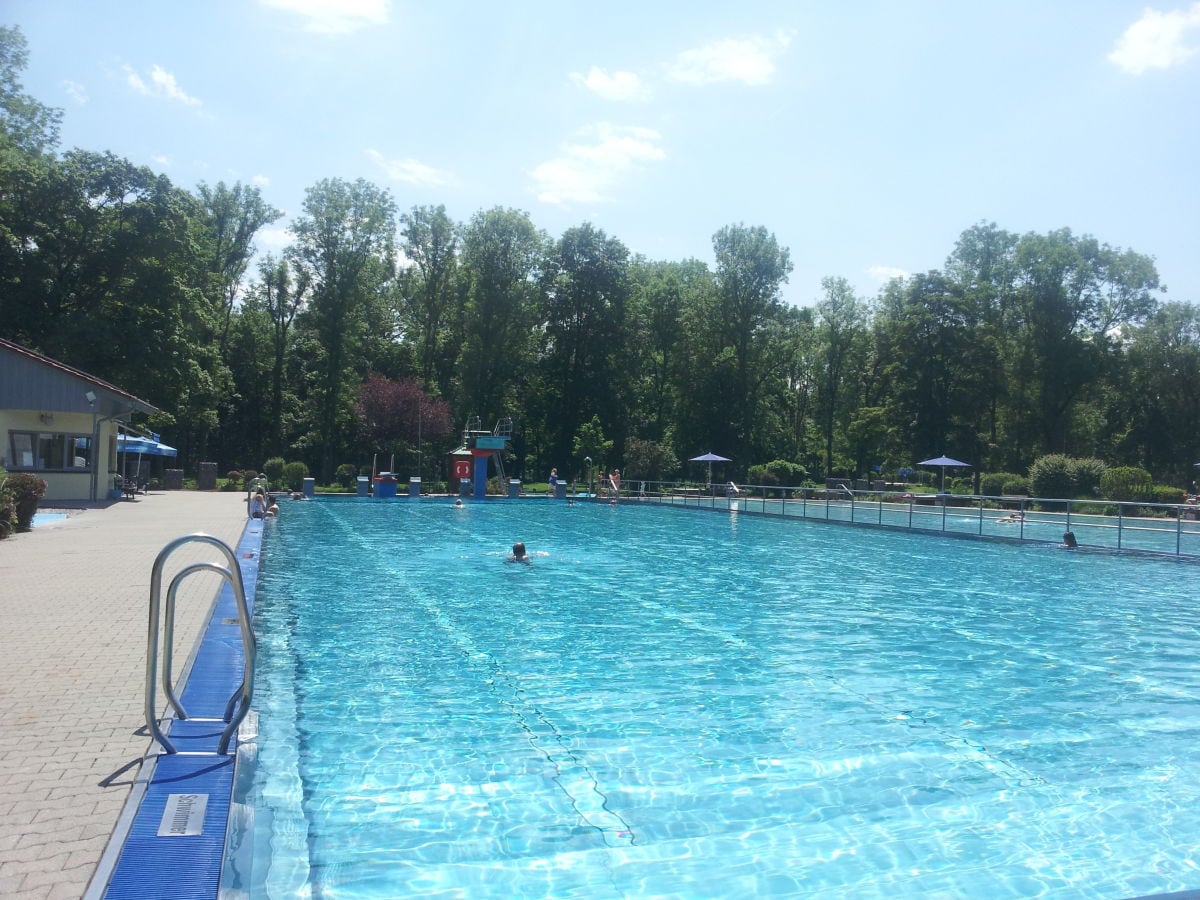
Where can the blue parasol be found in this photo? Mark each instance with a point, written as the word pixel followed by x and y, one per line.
pixel 943 461
pixel 709 458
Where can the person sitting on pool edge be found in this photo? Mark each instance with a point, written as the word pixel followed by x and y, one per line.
pixel 519 554
pixel 258 505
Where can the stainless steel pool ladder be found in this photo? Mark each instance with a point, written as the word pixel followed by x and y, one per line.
pixel 239 702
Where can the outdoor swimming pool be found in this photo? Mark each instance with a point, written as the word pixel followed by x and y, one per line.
pixel 675 703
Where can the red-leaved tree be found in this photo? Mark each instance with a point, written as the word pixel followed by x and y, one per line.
pixel 393 416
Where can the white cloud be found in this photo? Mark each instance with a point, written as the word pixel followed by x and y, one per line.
pixel 260 181
pixel 886 273
pixel 76 91
pixel 335 16
pixel 587 170
pixel 272 240
pixel 620 86
pixel 162 84
pixel 161 159
pixel 410 171
pixel 1158 40
pixel 750 60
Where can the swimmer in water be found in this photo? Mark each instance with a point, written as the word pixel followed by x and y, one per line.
pixel 518 554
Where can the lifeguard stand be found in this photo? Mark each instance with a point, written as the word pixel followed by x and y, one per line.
pixel 485 445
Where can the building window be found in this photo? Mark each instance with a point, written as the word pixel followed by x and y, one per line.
pixel 46 451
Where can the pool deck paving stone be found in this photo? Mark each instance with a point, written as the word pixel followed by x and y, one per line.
pixel 74 600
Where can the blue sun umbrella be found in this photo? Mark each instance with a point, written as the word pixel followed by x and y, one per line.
pixel 709 458
pixel 943 462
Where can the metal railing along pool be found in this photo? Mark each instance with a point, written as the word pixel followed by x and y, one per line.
pixel 1170 529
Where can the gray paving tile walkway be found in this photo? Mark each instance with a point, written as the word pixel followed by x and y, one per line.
pixel 73 605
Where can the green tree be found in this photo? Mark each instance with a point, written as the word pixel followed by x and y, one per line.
pixel 659 293
pixel 430 301
pixel 234 215
pixel 583 364
pixel 344 249
pixel 502 255
pixel 26 125
pixel 751 268
pixel 841 331
pixel 1161 400
pixel 1073 294
pixel 590 441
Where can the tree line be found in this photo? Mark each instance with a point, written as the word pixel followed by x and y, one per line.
pixel 381 330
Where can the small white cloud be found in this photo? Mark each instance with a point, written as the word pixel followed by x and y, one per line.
pixel 260 180
pixel 1158 40
pixel 750 60
pixel 587 170
pixel 169 88
pixel 620 86
pixel 161 159
pixel 162 84
pixel 76 91
pixel 134 80
pixel 272 239
pixel 335 16
pixel 410 171
pixel 886 273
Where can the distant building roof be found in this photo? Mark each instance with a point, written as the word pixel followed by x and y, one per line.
pixel 29 380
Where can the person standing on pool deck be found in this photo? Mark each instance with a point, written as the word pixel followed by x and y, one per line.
pixel 553 482
pixel 615 480
pixel 519 554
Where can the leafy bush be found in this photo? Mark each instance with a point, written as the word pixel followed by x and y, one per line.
pixel 8 515
pixel 761 475
pixel 1052 476
pixel 1128 483
pixel 1089 473
pixel 346 475
pixel 1059 476
pixel 293 475
pixel 273 469
pixel 1015 484
pixel 8 509
pixel 248 476
pixel 1165 493
pixel 998 484
pixel 25 490
pixel 778 471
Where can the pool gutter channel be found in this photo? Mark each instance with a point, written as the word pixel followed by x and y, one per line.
pixel 142 853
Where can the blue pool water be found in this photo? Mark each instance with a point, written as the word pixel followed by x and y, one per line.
pixel 674 703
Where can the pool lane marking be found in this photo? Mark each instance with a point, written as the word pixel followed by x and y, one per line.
pixel 583 791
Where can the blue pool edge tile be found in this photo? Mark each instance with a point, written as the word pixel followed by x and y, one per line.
pixel 188 864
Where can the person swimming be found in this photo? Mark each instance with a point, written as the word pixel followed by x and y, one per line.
pixel 1068 541
pixel 518 554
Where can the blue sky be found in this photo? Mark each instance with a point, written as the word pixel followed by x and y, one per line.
pixel 865 136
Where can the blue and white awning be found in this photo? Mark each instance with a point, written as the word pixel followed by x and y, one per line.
pixel 128 443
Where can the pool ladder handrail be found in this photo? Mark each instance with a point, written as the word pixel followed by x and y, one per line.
pixel 235 711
